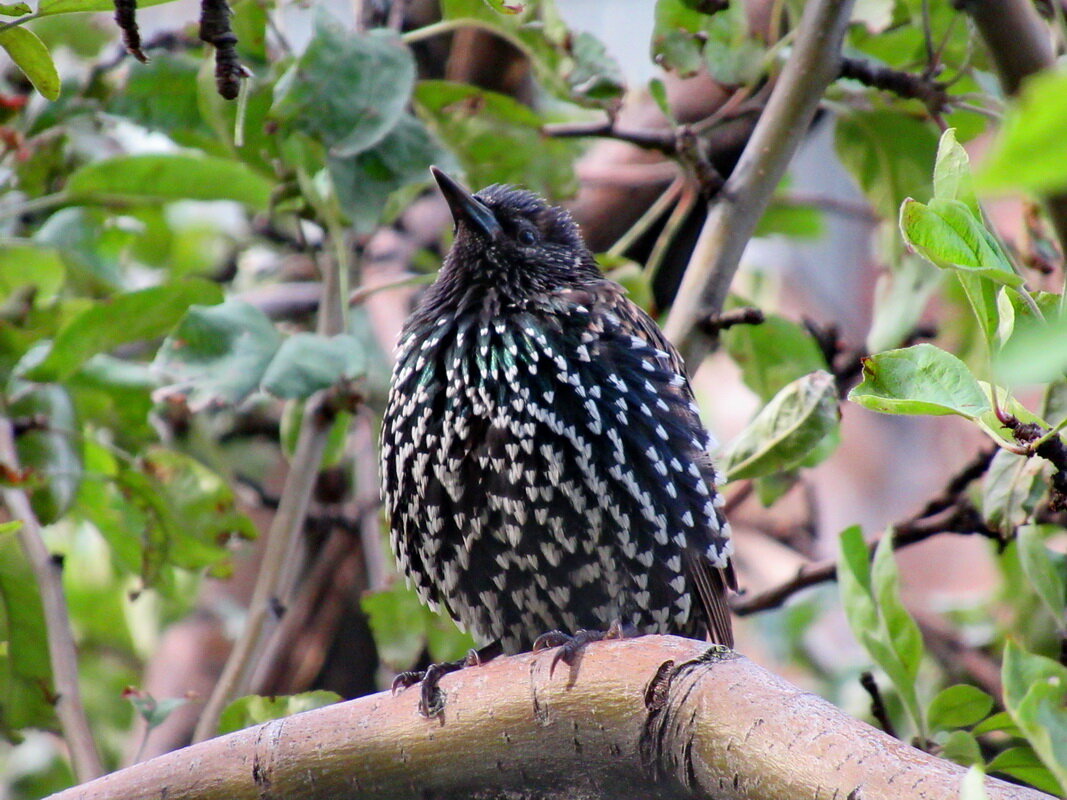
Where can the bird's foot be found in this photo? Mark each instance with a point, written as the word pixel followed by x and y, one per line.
pixel 431 698
pixel 570 647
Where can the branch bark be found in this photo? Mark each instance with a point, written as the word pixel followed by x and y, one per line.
pixel 732 218
pixel 62 652
pixel 656 716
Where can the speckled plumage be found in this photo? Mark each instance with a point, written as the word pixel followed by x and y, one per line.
pixel 543 461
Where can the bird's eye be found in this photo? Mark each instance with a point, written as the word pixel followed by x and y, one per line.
pixel 527 237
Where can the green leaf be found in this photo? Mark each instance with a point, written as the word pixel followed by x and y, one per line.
pixel 1011 489
pixel 949 235
pixel 398 622
pixel 958 706
pixel 364 183
pixel 170 176
pixel 218 354
pixel 922 379
pixel 130 317
pixel 972 787
pixel 1002 722
pixel 684 40
pixel 962 748
pixel 1035 353
pixel 255 710
pixel 952 173
pixel 786 430
pixel 32 57
pixel 657 90
pixel 307 362
pixel 25 668
pixel 497 139
pixel 773 353
pixel 51 451
pixel 346 90
pixel 1046 570
pixel 1035 694
pixel 1028 153
pixel 1023 764
pixel 891 156
pixel 15 9
pixel 154 712
pixel 870 595
pixel 48 7
pixel 25 264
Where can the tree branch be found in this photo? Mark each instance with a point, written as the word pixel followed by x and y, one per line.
pixel 732 218
pixel 61 649
pixel 653 716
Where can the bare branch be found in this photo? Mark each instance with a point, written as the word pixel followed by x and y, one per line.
pixel 654 716
pixel 61 650
pixel 732 218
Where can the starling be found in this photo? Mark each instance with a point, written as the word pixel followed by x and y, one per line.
pixel 543 460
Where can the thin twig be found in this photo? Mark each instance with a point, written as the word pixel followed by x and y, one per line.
pixel 665 142
pixel 918 87
pixel 61 650
pixel 878 709
pixel 732 219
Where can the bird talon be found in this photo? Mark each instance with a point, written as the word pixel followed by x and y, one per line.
pixel 406 680
pixel 546 641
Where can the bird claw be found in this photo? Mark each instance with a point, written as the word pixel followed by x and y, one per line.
pixel 431 696
pixel 571 647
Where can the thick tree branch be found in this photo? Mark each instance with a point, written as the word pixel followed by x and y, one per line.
pixel 651 717
pixel 1020 43
pixel 732 218
pixel 61 649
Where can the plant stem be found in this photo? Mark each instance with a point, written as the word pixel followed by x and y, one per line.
pixel 61 649
pixel 732 218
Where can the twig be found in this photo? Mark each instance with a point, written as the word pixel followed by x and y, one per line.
pixel 964 519
pixel 717 323
pixel 733 217
pixel 878 709
pixel 61 650
pixel 905 84
pixel 280 555
pixel 665 142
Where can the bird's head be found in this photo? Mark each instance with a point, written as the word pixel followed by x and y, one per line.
pixel 512 241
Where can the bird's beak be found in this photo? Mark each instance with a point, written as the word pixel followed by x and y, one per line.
pixel 466 207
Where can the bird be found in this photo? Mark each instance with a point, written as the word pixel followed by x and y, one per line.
pixel 544 465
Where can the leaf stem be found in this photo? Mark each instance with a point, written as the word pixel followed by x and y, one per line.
pixel 61 649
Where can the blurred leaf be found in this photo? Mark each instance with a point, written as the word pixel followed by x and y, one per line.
pixel 1011 489
pixel 962 748
pixel 24 263
pixel 773 353
pixel 1028 152
pixel 15 9
pixel 891 156
pixel 948 234
pixel 1023 764
pixel 684 39
pixel 306 363
pixel 1001 721
pixel 365 182
pixel 130 317
pixel 154 712
pixel 1046 570
pixel 346 90
pixel 25 668
pixel 255 710
pixel 958 706
pixel 786 430
pixel 91 244
pixel 47 7
pixel 573 66
pixel 900 298
pixel 1035 353
pixel 790 219
pixel 50 451
pixel 1035 694
pixel 972 787
pixel 162 96
pixel 657 90
pixel 32 57
pixel 922 379
pixel 218 354
pixel 164 177
pixel 497 139
pixel 336 438
pixel 398 622
pixel 870 595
